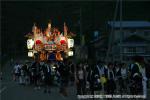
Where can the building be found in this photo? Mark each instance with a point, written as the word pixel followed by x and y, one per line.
pixel 98 47
pixel 135 39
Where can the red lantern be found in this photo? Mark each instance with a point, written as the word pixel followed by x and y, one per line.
pixel 62 40
pixel 38 42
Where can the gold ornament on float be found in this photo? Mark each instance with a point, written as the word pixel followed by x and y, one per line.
pixel 58 56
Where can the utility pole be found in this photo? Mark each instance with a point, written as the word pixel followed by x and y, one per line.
pixel 81 37
pixel 111 34
pixel 121 32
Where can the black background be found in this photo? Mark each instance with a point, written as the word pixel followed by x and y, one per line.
pixel 17 18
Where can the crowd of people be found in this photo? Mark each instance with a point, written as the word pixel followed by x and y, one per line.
pixel 44 74
pixel 106 78
pixel 130 78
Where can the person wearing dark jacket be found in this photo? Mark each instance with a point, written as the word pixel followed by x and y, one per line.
pixel 80 79
pixel 47 76
pixel 118 77
pixel 138 77
pixel 64 77
pixel 90 78
pixel 97 71
pixel 35 73
pixel 72 72
pixel 110 75
pixel 147 68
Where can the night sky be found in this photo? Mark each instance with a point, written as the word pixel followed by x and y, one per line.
pixel 18 17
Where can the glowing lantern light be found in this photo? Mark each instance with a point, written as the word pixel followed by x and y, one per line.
pixel 30 43
pixel 58 56
pixel 30 54
pixel 53 67
pixel 43 56
pixel 70 53
pixel 38 42
pixel 70 43
pixel 62 40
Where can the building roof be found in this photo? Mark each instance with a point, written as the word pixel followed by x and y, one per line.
pixel 135 38
pixel 130 24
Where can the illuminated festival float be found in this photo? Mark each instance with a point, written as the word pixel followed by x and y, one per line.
pixel 50 44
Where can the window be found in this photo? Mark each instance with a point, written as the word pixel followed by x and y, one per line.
pixel 140 49
pixel 134 50
pixel 130 50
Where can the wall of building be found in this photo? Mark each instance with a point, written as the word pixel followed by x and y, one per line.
pixel 131 49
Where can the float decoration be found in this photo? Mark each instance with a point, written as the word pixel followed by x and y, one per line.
pixel 50 41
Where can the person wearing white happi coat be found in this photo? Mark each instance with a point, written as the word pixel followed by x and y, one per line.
pixel 144 81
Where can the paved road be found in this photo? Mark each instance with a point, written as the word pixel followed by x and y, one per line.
pixel 13 91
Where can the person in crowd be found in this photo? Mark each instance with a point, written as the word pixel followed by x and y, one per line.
pixel 26 74
pixel 47 76
pixel 64 77
pixel 147 69
pixel 27 77
pixel 22 75
pixel 19 73
pixel 16 72
pixel 42 73
pixel 118 77
pixel 72 72
pixel 136 76
pixel 34 74
pixel 38 75
pixel 124 77
pixel 110 75
pixel 103 78
pixel 57 73
pixel 144 77
pixel 80 79
pixel 90 78
pixel 97 75
pixel 30 74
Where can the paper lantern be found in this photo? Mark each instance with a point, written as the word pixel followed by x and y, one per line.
pixel 30 54
pixel 30 43
pixel 70 53
pixel 38 42
pixel 70 43
pixel 62 40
